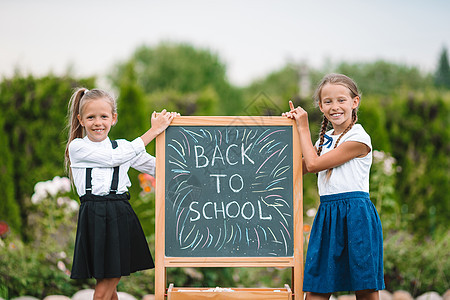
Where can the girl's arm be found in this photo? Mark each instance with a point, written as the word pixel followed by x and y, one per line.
pixel 159 123
pixel 144 163
pixel 85 156
pixel 304 169
pixel 88 155
pixel 311 161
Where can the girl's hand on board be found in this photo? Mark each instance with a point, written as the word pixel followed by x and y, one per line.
pixel 162 120
pixel 298 114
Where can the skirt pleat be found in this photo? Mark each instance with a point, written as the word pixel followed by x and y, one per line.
pixel 110 242
pixel 345 251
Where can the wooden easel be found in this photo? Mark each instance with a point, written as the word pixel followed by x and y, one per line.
pixel 295 262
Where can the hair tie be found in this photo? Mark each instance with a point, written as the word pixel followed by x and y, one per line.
pixel 86 91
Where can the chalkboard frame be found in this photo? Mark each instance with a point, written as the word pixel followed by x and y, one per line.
pixel 162 262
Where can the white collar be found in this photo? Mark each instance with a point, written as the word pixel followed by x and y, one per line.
pixel 106 141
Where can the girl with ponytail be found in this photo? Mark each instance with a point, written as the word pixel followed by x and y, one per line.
pixel 110 242
pixel 345 250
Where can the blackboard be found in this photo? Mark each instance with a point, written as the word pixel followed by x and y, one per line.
pixel 228 191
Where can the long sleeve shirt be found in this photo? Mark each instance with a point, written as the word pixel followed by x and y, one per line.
pixel 102 158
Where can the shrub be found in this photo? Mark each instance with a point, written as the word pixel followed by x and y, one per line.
pixel 417 265
pixel 41 267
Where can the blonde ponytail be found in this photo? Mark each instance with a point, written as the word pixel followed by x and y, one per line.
pixel 75 128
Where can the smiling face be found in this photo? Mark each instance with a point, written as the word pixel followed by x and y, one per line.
pixel 337 105
pixel 97 117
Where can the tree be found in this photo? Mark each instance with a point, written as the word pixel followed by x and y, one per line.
pixel 385 78
pixel 419 131
pixel 133 115
pixel 181 68
pixel 270 95
pixel 9 208
pixel 34 118
pixel 442 75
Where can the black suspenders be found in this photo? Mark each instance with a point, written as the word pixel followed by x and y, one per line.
pixel 88 181
pixel 115 178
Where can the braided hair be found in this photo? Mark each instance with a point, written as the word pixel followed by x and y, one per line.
pixel 354 92
pixel 323 129
pixel 354 118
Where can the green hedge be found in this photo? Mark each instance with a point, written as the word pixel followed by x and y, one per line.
pixel 33 117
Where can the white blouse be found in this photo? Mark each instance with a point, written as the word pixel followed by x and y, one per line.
pixel 102 158
pixel 350 176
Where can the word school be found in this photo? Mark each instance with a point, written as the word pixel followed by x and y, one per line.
pixel 232 209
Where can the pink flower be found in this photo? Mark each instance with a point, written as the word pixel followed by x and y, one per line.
pixel 4 229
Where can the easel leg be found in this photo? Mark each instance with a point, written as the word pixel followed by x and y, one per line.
pixel 293 285
pixel 160 282
pixel 297 281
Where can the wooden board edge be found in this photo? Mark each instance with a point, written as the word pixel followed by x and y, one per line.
pixel 297 280
pixel 231 121
pixel 160 271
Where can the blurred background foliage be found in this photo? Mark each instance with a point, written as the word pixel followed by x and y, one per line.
pixel 406 112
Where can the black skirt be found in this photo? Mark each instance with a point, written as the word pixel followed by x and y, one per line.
pixel 110 242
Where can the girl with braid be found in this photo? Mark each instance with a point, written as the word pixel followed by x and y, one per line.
pixel 345 251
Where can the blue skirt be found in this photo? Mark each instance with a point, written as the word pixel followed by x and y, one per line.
pixel 345 251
